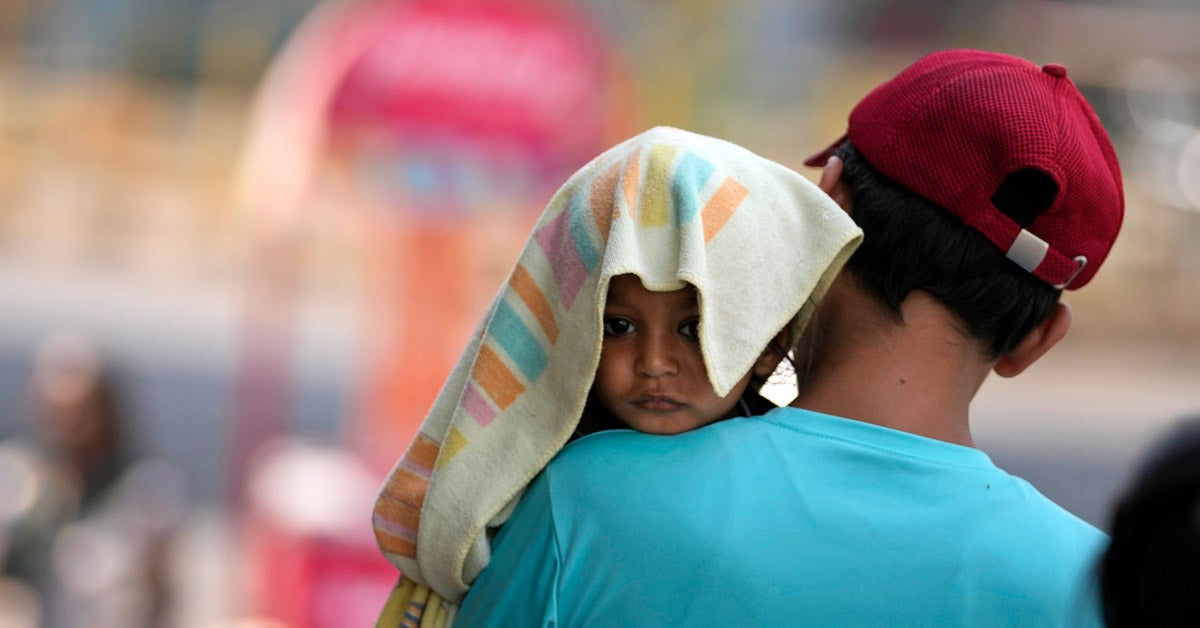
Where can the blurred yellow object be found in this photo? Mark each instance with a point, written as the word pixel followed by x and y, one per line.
pixel 413 605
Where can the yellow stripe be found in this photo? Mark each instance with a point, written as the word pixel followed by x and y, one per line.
pixel 455 442
pixel 393 611
pixel 656 189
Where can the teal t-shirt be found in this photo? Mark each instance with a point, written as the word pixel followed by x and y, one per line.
pixel 794 518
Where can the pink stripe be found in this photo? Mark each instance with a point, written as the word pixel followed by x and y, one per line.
pixel 569 270
pixel 393 528
pixel 416 469
pixel 479 407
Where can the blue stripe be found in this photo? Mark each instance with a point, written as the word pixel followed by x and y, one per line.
pixel 518 342
pixel 690 177
pixel 581 215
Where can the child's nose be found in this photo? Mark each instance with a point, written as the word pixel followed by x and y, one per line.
pixel 657 357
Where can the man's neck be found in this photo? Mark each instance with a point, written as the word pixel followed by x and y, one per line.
pixel 918 375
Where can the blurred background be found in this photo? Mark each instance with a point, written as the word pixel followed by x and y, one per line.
pixel 243 241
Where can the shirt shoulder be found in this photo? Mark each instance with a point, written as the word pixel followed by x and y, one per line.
pixel 625 465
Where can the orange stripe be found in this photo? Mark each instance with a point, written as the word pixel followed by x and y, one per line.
pixel 398 512
pixel 423 452
pixel 406 487
pixel 721 206
pixel 629 185
pixel 525 287
pixel 604 199
pixel 495 378
pixel 395 544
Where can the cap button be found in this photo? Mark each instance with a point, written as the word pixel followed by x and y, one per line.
pixel 1055 70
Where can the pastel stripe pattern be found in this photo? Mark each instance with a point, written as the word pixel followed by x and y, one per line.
pixel 455 442
pixel 535 299
pixel 580 237
pixel 494 377
pixel 691 174
pixel 603 199
pixel 569 268
pixel 521 345
pixel 513 356
pixel 477 405
pixel 721 206
pixel 413 615
pixel 629 185
pixel 664 205
pixel 654 200
pixel 667 194
pixel 398 509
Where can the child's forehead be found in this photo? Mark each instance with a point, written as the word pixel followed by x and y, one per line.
pixel 630 287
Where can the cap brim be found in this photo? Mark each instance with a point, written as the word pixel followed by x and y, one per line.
pixel 820 159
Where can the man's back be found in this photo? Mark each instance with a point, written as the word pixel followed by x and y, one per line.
pixel 795 517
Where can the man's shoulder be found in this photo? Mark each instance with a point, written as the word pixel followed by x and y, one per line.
pixel 620 447
pixel 614 452
pixel 628 466
pixel 1026 503
pixel 1043 524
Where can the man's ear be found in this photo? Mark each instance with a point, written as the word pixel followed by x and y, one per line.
pixel 1036 343
pixel 770 358
pixel 831 182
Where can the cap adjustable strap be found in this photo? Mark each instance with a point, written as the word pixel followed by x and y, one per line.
pixel 1029 251
pixel 1081 261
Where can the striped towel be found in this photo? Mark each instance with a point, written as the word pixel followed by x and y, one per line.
pixel 758 241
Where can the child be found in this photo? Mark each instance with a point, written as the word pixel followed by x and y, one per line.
pixel 682 257
pixel 651 375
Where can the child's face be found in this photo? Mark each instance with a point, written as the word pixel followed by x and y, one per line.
pixel 651 373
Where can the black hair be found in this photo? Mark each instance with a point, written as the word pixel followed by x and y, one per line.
pixel 1151 570
pixel 910 243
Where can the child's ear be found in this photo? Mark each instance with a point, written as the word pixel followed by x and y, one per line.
pixel 770 358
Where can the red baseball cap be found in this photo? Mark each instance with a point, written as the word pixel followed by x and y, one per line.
pixel 953 125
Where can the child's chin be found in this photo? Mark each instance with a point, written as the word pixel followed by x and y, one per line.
pixel 663 427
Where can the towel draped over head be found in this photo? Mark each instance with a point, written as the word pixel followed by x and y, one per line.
pixel 758 241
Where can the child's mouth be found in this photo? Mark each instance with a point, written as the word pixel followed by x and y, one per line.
pixel 657 403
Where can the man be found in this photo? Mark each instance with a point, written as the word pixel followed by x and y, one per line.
pixel 984 185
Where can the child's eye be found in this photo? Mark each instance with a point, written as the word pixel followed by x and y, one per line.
pixel 617 326
pixel 690 329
